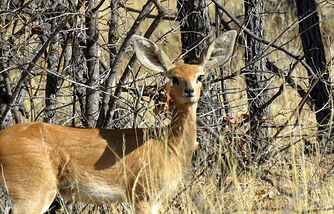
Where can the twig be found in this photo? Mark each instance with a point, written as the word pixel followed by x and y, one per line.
pixel 170 18
pixel 300 106
pixel 271 66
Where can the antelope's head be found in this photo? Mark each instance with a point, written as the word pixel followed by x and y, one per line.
pixel 186 79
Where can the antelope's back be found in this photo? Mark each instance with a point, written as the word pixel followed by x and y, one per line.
pixel 31 148
pixel 19 142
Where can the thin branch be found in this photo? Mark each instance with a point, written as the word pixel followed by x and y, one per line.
pixel 271 66
pixel 169 18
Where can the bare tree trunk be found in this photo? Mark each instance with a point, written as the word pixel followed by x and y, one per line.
pixel 52 86
pixel 91 53
pixel 315 57
pixel 78 73
pixel 5 86
pixel 256 79
pixel 113 33
pixel 112 39
pixel 68 70
pixel 5 92
pixel 195 26
pixel 74 65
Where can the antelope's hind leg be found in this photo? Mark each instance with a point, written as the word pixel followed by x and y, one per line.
pixel 36 202
pixel 31 189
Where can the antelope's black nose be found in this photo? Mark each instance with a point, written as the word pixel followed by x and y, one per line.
pixel 189 91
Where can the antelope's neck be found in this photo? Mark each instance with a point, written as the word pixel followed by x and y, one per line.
pixel 182 138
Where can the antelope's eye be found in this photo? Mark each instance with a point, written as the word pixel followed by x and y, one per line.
pixel 175 81
pixel 200 78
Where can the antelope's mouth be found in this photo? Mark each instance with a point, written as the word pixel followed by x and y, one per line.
pixel 190 98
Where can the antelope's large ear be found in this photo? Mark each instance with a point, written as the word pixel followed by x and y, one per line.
pixel 150 55
pixel 219 51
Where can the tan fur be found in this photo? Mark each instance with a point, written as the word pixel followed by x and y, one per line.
pixel 103 166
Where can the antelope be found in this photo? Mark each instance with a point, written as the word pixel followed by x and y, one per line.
pixel 91 165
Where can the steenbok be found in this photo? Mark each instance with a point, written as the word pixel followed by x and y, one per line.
pixel 140 166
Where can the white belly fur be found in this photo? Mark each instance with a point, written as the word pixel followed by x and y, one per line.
pixel 92 193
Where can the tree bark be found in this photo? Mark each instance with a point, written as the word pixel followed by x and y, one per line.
pixel 92 57
pixel 313 48
pixel 195 26
pixel 256 79
pixel 51 86
pixel 5 91
pixel 113 37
